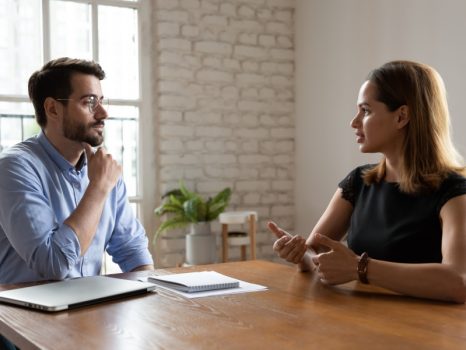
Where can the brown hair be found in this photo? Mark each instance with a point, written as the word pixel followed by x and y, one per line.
pixel 428 152
pixel 54 80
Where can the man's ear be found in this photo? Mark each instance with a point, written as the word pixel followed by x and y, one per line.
pixel 53 108
pixel 402 116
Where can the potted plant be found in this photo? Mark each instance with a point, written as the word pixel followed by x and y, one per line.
pixel 186 208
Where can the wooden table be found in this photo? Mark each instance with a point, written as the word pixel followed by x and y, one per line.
pixel 297 312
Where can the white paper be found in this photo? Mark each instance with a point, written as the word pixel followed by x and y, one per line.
pixel 244 287
pixel 197 281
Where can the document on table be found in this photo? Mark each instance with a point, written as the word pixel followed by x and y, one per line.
pixel 244 287
pixel 193 282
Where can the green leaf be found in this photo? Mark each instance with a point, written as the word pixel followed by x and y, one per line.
pixel 218 204
pixel 187 194
pixel 168 208
pixel 188 206
pixel 191 209
pixel 215 210
pixel 175 192
pixel 170 224
pixel 223 196
pixel 178 201
pixel 202 210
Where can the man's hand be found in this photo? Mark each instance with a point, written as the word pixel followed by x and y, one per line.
pixel 103 170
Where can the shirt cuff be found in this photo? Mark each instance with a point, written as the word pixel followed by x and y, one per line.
pixel 66 239
pixel 143 258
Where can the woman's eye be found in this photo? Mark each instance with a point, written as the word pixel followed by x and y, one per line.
pixel 365 111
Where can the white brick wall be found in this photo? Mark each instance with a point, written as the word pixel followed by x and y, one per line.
pixel 225 108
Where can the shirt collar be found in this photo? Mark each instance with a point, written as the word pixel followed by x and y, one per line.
pixel 56 156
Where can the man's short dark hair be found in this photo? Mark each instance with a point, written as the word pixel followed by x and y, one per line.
pixel 54 80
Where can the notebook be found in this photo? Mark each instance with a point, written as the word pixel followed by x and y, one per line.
pixel 67 294
pixel 192 282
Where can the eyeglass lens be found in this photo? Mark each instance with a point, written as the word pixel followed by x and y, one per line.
pixel 94 102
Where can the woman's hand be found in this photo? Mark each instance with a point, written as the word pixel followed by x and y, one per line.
pixel 288 247
pixel 336 266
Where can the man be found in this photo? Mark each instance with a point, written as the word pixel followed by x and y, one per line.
pixel 61 204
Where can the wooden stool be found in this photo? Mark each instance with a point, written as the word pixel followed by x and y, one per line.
pixel 236 238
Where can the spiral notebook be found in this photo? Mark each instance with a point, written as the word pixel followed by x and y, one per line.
pixel 192 282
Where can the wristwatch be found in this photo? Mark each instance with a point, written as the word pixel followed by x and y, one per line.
pixel 362 268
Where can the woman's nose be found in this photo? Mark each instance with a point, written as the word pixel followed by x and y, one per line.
pixel 355 121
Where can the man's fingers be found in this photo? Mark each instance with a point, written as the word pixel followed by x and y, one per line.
pixel 88 150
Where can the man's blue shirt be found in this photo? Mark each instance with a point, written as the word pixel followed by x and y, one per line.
pixel 39 189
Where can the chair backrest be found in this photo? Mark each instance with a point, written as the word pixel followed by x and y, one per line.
pixel 236 217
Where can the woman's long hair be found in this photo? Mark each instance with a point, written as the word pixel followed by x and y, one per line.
pixel 428 152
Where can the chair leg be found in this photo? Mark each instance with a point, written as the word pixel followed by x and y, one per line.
pixel 224 242
pixel 243 252
pixel 252 235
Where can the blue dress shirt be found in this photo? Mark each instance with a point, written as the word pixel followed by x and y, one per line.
pixel 39 189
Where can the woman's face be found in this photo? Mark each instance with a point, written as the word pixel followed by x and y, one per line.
pixel 377 129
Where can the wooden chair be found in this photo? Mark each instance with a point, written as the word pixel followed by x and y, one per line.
pixel 239 238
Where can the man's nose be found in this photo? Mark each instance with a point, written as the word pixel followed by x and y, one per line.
pixel 100 112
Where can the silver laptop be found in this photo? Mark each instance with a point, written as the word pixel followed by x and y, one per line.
pixel 66 294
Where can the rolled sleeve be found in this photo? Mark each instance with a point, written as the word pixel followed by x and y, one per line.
pixel 67 242
pixel 37 245
pixel 128 245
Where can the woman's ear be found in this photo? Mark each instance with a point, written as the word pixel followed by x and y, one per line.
pixel 402 116
pixel 53 109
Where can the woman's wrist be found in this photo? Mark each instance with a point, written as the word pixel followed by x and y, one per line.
pixel 306 263
pixel 363 263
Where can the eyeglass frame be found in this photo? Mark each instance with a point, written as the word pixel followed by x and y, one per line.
pixel 103 101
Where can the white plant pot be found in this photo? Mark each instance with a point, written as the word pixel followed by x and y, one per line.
pixel 200 245
pixel 200 228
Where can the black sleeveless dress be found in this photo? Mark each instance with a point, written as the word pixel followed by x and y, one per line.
pixel 394 226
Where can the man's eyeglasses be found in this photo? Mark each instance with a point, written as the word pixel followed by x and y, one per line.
pixel 91 101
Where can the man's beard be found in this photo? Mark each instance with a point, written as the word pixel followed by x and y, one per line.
pixel 81 132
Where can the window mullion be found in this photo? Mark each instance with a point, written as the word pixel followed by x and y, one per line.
pixel 46 30
pixel 95 32
pixel 146 159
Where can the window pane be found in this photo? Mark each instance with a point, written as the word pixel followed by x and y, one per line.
pixel 16 108
pixel 121 140
pixel 17 123
pixel 10 131
pixel 70 29
pixel 30 128
pixel 118 51
pixel 20 44
pixel 135 207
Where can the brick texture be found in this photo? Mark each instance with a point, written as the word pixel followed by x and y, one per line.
pixel 225 108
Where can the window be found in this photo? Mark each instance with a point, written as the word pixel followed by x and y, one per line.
pixel 33 32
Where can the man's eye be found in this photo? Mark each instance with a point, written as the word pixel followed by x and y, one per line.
pixel 92 100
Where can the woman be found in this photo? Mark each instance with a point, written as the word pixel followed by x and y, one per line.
pixel 405 216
